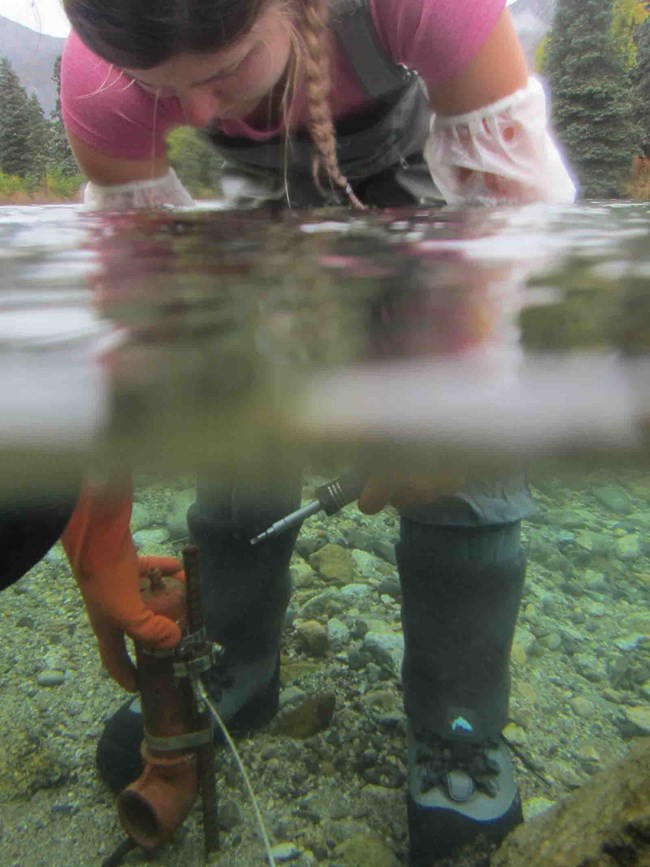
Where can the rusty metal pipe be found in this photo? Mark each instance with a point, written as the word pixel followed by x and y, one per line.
pixel 156 804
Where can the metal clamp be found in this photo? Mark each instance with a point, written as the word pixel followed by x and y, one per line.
pixel 158 652
pixel 191 640
pixel 188 741
pixel 196 665
pixel 193 667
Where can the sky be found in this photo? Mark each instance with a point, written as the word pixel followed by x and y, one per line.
pixel 45 16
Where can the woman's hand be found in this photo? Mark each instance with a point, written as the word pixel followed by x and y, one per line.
pixel 108 571
pixel 403 491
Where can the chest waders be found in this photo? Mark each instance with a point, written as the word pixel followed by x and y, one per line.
pixel 379 151
pixel 460 559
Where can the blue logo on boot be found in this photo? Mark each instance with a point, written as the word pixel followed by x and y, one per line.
pixel 462 724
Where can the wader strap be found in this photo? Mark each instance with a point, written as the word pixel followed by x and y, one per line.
pixel 393 131
pixel 387 135
pixel 357 34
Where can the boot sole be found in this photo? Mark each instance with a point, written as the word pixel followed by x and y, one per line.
pixel 436 834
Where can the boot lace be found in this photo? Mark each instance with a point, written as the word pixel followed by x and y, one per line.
pixel 441 760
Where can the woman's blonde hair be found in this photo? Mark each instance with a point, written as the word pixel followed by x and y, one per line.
pixel 317 59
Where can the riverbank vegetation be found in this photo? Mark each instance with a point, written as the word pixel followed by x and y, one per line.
pixel 596 62
pixel 192 156
pixel 37 165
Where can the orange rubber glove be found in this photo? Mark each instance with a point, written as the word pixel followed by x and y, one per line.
pixel 105 564
pixel 402 491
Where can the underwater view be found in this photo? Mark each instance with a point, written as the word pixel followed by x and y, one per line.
pixel 266 354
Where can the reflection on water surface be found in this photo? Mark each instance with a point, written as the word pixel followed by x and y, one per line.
pixel 147 337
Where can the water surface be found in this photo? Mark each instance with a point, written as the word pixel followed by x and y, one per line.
pixel 146 338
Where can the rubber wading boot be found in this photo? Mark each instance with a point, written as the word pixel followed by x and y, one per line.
pixel 246 592
pixel 461 589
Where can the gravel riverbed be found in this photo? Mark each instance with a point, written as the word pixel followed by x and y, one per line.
pixel 334 795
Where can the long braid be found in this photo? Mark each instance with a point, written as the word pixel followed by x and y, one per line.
pixel 318 85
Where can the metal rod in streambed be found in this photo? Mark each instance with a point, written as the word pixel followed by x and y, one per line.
pixel 205 753
pixel 116 858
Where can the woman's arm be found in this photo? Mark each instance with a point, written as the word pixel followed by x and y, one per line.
pixel 106 171
pixel 117 132
pixel 490 141
pixel 120 183
pixel 499 69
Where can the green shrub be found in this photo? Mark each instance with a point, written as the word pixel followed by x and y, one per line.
pixel 10 185
pixel 63 186
pixel 196 162
pixel 56 187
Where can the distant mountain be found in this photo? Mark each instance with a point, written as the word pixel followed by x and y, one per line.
pixel 32 57
pixel 533 19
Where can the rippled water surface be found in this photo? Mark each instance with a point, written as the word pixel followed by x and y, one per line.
pixel 147 337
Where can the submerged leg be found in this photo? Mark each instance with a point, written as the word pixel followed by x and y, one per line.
pixel 461 590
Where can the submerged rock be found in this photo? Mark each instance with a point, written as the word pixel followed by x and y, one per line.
pixel 283 852
pixel 334 564
pixel 313 636
pixel 176 517
pixel 614 497
pixel 387 650
pixel 606 822
pixel 50 677
pixel 638 719
pixel 367 850
pixel 307 718
pixel 28 764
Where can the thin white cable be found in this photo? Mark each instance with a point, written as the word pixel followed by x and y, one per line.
pixel 247 783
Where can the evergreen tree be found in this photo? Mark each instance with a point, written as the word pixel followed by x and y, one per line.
pixel 38 140
pixel 15 155
pixel 60 156
pixel 641 86
pixel 592 106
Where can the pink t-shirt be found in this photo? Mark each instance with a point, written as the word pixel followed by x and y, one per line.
pixel 111 113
